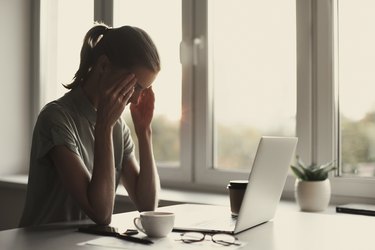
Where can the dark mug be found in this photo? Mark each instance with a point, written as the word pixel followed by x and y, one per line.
pixel 236 192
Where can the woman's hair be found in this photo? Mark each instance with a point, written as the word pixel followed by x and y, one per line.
pixel 125 47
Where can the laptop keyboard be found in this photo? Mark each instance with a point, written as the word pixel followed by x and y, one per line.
pixel 218 223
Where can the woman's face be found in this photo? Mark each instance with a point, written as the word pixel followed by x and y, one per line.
pixel 145 78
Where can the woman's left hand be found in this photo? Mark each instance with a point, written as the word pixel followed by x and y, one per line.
pixel 142 112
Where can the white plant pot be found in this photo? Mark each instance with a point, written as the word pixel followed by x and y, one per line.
pixel 313 196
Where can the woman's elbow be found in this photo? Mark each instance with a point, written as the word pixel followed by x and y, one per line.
pixel 102 220
pixel 101 217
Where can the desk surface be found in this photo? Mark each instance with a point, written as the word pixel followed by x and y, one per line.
pixel 289 230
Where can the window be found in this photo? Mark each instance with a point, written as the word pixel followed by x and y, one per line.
pixel 235 70
pixel 356 83
pixel 202 57
pixel 167 34
pixel 253 76
pixel 66 23
pixel 245 83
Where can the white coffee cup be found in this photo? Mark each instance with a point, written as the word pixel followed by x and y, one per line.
pixel 155 224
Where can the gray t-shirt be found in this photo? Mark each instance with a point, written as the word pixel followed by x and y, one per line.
pixel 68 121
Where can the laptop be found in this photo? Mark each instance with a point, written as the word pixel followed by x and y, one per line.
pixel 262 195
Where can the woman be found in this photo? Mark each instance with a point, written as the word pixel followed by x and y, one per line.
pixel 81 147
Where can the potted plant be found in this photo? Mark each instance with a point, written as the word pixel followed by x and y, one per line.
pixel 312 186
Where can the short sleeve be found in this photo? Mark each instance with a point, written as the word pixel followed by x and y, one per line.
pixel 128 141
pixel 54 127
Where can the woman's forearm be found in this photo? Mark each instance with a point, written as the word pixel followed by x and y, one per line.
pixel 101 189
pixel 148 183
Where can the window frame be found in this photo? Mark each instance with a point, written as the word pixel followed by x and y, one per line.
pixel 317 120
pixel 361 189
pixel 43 21
pixel 182 174
pixel 205 173
pixel 326 133
pixel 170 175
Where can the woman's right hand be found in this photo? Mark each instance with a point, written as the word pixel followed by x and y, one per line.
pixel 95 191
pixel 113 97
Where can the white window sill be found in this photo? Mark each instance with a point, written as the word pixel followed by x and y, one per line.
pixel 166 197
pixel 170 196
pixel 13 181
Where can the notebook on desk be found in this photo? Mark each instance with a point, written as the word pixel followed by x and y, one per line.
pixel 263 192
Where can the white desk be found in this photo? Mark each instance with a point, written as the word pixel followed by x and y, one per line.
pixel 289 230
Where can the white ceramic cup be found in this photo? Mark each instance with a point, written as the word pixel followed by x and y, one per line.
pixel 155 224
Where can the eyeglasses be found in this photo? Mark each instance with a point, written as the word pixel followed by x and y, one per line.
pixel 220 238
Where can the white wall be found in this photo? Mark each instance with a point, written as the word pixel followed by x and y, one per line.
pixel 15 18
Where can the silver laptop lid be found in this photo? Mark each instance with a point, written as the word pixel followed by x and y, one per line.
pixel 266 181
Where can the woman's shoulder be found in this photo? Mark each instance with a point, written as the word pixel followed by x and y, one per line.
pixel 52 108
pixel 54 112
pixel 61 105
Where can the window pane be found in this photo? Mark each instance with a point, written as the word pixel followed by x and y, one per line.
pixel 254 76
pixel 164 27
pixel 73 20
pixel 356 79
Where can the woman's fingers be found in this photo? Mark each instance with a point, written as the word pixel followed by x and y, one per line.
pixel 142 112
pixel 129 87
pixel 147 97
pixel 126 95
pixel 121 91
pixel 124 85
pixel 115 98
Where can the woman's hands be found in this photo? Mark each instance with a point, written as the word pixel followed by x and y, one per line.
pixel 113 98
pixel 142 181
pixel 143 112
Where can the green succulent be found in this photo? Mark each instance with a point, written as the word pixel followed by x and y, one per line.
pixel 312 172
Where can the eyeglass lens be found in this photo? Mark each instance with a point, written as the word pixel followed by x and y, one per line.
pixel 222 239
pixel 190 237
